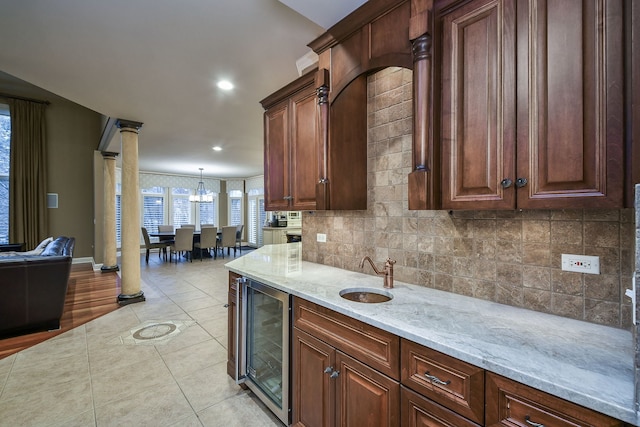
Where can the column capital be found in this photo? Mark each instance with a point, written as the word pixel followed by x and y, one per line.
pixel 128 124
pixel 109 154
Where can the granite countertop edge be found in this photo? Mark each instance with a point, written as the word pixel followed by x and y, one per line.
pixel 588 364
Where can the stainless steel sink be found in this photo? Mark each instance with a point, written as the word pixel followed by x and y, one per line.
pixel 366 295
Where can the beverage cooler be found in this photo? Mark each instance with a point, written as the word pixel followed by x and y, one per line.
pixel 264 364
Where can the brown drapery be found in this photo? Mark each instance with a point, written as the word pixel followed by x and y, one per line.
pixel 28 173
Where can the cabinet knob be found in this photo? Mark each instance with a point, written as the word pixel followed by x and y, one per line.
pixel 335 374
pixel 506 183
pixel 328 369
pixel 521 182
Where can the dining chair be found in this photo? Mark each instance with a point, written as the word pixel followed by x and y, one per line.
pixel 238 243
pixel 188 226
pixel 208 239
pixel 161 246
pixel 207 225
pixel 183 242
pixel 228 240
pixel 166 229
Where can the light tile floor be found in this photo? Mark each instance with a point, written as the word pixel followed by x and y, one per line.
pixel 93 376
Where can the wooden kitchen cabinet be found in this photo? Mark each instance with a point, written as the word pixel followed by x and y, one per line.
pixel 232 306
pixel 510 403
pixel 291 155
pixel 532 112
pixel 446 380
pixel 418 411
pixel 331 384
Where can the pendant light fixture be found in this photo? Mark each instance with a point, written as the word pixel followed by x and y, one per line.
pixel 200 194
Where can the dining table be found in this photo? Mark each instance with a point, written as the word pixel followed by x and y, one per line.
pixel 170 235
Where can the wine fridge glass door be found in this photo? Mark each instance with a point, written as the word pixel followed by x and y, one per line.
pixel 267 346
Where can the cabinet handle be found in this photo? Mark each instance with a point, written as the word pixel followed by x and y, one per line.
pixel 335 374
pixel 435 379
pixel 521 182
pixel 288 197
pixel 531 423
pixel 506 183
pixel 328 369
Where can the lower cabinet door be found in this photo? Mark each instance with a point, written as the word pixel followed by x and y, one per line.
pixel 418 411
pixel 313 387
pixel 364 396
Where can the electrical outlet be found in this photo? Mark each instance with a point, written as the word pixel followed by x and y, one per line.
pixel 581 263
pixel 321 237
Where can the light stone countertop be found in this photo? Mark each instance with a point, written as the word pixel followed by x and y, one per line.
pixel 585 363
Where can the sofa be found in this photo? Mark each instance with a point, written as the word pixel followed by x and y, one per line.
pixel 33 286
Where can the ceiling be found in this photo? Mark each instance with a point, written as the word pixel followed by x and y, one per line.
pixel 158 62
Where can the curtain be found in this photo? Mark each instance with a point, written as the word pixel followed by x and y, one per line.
pixel 28 173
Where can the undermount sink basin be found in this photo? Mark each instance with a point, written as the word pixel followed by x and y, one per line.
pixel 366 295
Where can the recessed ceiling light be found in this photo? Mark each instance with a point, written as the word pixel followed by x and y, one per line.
pixel 225 85
pixel 217 148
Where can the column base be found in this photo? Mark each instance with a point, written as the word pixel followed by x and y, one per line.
pixel 131 299
pixel 109 268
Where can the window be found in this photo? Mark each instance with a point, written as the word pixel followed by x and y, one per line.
pixel 152 208
pixel 181 206
pixel 5 150
pixel 118 220
pixel 235 207
pixel 207 212
pixel 257 217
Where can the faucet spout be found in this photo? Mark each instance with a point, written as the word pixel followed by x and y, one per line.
pixel 387 270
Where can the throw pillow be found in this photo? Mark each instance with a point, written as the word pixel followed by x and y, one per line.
pixel 38 249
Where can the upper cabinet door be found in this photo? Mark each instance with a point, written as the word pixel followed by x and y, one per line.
pixel 290 146
pixel 478 105
pixel 532 104
pixel 570 103
pixel 276 157
pixel 304 150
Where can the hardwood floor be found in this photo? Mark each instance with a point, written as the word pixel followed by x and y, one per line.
pixel 90 294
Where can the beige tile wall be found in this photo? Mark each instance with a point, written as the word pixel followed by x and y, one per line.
pixel 510 257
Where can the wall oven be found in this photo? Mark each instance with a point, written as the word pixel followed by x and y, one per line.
pixel 262 344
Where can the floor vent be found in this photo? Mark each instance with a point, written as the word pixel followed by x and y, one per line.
pixel 155 332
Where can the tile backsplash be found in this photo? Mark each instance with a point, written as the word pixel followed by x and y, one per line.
pixel 510 257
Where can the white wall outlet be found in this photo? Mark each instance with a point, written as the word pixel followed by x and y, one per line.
pixel 321 237
pixel 581 263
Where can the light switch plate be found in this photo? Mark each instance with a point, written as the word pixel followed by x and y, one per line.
pixel 581 263
pixel 321 237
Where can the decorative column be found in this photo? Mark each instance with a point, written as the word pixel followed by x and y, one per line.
pixel 109 261
pixel 130 214
pixel 420 180
pixel 322 92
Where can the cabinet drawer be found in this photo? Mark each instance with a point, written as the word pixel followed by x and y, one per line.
pixel 375 347
pixel 418 411
pixel 453 383
pixel 510 403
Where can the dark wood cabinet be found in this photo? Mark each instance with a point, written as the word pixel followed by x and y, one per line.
pixel 232 306
pixel 313 394
pixel 364 396
pixel 291 159
pixel 331 384
pixel 446 380
pixel 532 104
pixel 418 411
pixel 510 403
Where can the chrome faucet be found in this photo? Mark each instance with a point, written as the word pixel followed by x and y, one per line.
pixel 387 271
